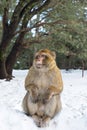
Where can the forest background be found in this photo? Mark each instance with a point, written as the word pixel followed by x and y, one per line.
pixel 29 25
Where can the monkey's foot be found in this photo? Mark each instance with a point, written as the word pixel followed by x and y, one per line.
pixel 41 121
pixel 45 121
pixel 37 120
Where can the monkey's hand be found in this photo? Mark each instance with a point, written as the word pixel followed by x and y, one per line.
pixel 33 91
pixel 33 96
pixel 51 91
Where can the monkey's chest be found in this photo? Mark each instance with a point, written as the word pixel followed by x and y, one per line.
pixel 42 81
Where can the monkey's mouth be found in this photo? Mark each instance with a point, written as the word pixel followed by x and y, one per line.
pixel 39 66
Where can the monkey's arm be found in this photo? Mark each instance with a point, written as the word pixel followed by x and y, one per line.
pixel 28 79
pixel 60 82
pixel 57 86
pixel 54 91
pixel 33 92
pixel 51 91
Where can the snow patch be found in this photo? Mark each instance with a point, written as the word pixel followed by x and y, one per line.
pixel 74 102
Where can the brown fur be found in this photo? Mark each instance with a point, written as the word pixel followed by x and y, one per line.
pixel 43 85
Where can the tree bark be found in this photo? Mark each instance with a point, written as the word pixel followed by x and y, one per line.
pixel 3 72
pixel 83 66
pixel 14 54
pixel 11 59
pixel 67 62
pixel 16 50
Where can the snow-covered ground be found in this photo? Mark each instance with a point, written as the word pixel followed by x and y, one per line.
pixel 74 100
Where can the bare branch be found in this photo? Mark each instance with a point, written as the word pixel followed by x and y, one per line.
pixel 38 24
pixel 16 16
pixel 28 17
pixel 26 44
pixel 41 8
pixel 28 7
pixel 5 19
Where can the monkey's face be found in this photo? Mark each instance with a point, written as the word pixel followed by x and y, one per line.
pixel 40 60
pixel 43 59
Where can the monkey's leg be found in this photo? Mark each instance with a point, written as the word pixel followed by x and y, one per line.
pixel 24 104
pixel 59 104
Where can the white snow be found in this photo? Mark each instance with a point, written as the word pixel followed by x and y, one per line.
pixel 74 100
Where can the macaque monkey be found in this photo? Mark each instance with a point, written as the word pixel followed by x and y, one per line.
pixel 44 85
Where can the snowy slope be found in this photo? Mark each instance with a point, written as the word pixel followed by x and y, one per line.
pixel 74 99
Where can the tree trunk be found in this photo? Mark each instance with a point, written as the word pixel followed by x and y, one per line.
pixel 83 66
pixel 15 52
pixel 3 72
pixel 11 59
pixel 67 62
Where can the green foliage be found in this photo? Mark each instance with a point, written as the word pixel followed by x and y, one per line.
pixel 25 60
pixel 69 36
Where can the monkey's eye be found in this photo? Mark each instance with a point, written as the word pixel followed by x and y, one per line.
pixel 37 57
pixel 40 56
pixel 43 56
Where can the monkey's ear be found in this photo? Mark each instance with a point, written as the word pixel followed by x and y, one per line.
pixel 53 54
